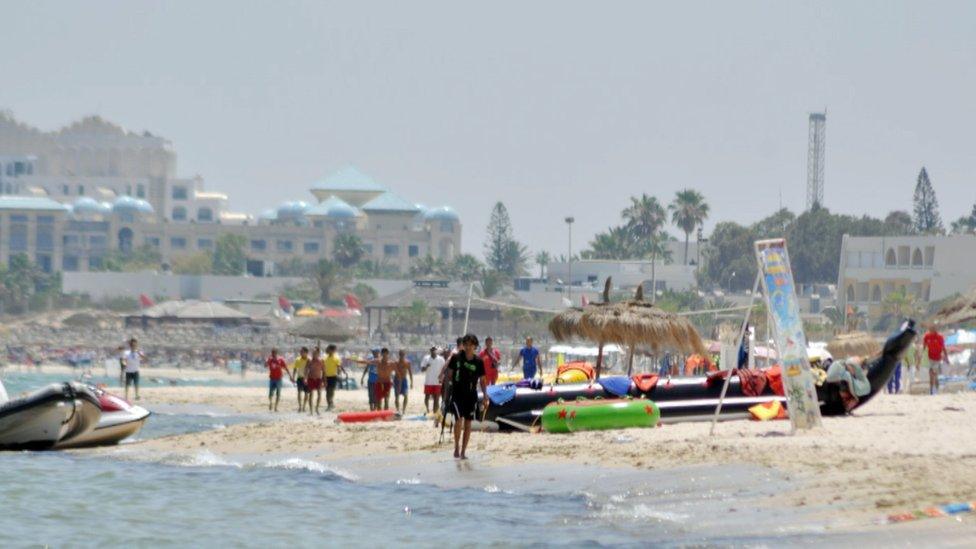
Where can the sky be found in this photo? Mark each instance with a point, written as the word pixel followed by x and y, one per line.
pixel 555 108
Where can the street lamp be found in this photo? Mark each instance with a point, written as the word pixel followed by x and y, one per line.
pixel 731 276
pixel 569 225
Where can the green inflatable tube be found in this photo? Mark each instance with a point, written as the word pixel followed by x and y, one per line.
pixel 598 415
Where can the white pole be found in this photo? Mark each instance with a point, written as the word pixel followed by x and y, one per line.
pixel 467 310
pixel 450 320
pixel 742 331
pixel 569 261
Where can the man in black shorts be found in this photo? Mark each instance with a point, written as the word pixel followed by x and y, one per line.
pixel 467 372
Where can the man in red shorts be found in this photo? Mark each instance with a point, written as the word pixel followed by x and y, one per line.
pixel 934 345
pixel 432 365
pixel 314 380
pixel 276 368
pixel 491 357
pixel 384 379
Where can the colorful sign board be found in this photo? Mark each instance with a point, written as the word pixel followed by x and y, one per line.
pixel 791 341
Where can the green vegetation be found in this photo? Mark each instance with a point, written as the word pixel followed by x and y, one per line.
pixel 229 256
pixel 927 219
pixel 502 252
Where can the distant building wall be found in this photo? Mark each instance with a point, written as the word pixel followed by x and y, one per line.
pixel 626 274
pixel 101 285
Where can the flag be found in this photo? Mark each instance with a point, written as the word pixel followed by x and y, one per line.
pixel 145 302
pixel 353 303
pixel 583 301
pixel 284 303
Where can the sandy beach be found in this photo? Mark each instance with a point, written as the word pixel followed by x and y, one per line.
pixel 900 452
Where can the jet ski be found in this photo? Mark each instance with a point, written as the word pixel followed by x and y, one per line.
pixel 119 421
pixel 687 398
pixel 43 418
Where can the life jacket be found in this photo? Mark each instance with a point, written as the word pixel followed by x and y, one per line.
pixel 766 411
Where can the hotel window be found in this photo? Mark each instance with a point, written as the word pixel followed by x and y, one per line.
pixel 45 233
pixel 205 215
pixel 284 245
pixel 81 190
pixel 45 262
pixel 311 247
pixel 177 243
pixel 180 193
pixel 391 250
pixel 94 263
pixel 70 263
pixel 70 240
pixel 179 213
pixel 447 226
pixel 97 241
pixel 929 256
pixel 18 233
pixel 152 241
pixel 141 191
pixel 917 258
pixel 413 250
pixel 65 190
pixel 259 245
pixel 205 244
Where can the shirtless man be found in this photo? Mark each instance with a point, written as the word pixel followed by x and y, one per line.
pixel 402 372
pixel 384 378
pixel 314 379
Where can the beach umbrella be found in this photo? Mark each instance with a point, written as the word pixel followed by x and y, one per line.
pixel 853 344
pixel 320 328
pixel 633 323
pixel 960 311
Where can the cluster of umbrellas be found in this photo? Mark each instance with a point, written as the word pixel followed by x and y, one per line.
pixel 632 323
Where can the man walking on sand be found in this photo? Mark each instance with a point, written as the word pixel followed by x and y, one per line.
pixel 131 362
pixel 467 372
pixel 432 365
pixel 315 373
pixel 400 385
pixel 531 362
pixel 276 367
pixel 492 358
pixel 298 371
pixel 333 365
pixel 383 369
pixel 934 345
pixel 370 371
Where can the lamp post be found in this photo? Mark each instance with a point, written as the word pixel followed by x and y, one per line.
pixel 731 276
pixel 569 260
pixel 450 320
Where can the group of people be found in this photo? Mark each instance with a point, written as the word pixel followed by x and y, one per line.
pixel 310 374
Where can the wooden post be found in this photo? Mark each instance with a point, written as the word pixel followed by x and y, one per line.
pixel 630 361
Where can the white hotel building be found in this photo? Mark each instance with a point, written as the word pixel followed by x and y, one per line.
pixel 70 197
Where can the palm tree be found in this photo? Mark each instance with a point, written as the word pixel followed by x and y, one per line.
pixel 428 266
pixel 328 277
pixel 466 267
pixel 542 259
pixel 616 243
pixel 688 211
pixel 645 218
pixel 347 249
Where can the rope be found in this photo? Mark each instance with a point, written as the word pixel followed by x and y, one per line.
pixel 554 311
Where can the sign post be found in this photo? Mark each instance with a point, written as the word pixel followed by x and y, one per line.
pixel 791 341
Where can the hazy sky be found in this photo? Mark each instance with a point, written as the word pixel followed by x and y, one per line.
pixel 555 108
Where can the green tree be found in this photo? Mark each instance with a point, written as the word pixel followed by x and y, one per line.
pixel 688 211
pixel 364 292
pixel 502 252
pixel 644 218
pixel 293 266
pixel 330 278
pixel 418 317
pixel 730 261
pixel 348 249
pixel 143 258
pixel 898 223
pixel 467 268
pixel 229 257
pixel 615 243
pixel 965 224
pixel 542 259
pixel 926 207
pixel 492 283
pixel 428 266
pixel 199 263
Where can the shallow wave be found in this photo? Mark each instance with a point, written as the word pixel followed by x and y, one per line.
pixel 640 511
pixel 308 465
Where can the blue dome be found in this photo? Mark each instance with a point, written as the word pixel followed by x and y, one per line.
pixel 126 205
pixel 444 213
pixel 292 211
pixel 86 205
pixel 333 208
pixel 144 207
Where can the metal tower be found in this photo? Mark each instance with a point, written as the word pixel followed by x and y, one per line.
pixel 817 137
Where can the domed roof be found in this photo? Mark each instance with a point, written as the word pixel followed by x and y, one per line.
pixel 86 206
pixel 349 179
pixel 127 204
pixel 292 211
pixel 268 215
pixel 444 213
pixel 333 208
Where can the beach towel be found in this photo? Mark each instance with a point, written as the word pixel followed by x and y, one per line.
pixel 618 386
pixel 645 382
pixel 859 381
pixel 501 394
pixel 774 376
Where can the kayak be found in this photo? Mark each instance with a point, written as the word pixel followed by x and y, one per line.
pixel 364 417
pixel 598 415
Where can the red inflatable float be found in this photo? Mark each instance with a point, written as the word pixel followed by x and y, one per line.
pixel 363 417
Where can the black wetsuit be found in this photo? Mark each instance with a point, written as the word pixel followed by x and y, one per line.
pixel 465 374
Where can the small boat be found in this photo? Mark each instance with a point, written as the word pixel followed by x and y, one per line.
pixel 48 415
pixel 364 417
pixel 119 421
pixel 598 415
pixel 689 398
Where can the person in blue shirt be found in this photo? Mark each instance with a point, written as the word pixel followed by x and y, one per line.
pixel 529 356
pixel 370 371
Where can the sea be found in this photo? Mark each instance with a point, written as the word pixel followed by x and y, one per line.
pixel 126 497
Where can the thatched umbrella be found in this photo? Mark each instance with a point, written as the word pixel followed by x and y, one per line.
pixel 634 322
pixel 853 344
pixel 960 311
pixel 320 328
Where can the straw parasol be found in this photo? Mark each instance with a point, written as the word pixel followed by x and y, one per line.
pixel 320 328
pixel 853 344
pixel 960 311
pixel 633 323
